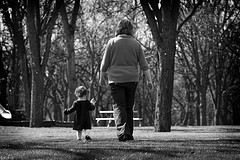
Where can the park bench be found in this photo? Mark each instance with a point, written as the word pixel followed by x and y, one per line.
pixel 110 118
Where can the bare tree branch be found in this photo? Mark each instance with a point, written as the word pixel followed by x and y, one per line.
pixel 190 15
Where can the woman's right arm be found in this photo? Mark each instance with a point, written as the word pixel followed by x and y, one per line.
pixel 149 78
pixel 105 63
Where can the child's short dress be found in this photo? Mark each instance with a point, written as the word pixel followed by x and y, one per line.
pixel 82 116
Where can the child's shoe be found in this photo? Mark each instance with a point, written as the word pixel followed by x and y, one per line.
pixel 88 138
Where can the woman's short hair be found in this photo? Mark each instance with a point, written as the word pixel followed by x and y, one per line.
pixel 124 27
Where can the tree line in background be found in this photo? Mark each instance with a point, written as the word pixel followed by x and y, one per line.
pixel 50 47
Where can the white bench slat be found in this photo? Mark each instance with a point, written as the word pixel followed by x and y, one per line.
pixel 99 119
pixel 110 118
pixel 105 111
pixel 137 119
pixel 112 111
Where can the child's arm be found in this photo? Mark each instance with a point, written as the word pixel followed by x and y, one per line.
pixel 93 102
pixel 70 110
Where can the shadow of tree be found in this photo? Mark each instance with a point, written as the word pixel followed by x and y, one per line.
pixel 92 150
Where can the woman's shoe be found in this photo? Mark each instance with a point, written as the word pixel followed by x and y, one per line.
pixel 125 137
pixel 130 137
pixel 122 138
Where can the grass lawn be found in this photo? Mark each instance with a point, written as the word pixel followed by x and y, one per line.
pixel 188 143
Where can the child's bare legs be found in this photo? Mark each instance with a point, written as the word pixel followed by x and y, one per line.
pixel 82 133
pixel 87 132
pixel 79 134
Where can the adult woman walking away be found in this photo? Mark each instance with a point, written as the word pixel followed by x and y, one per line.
pixel 122 56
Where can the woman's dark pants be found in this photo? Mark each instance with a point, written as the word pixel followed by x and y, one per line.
pixel 123 96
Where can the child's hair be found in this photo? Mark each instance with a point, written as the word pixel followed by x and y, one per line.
pixel 80 91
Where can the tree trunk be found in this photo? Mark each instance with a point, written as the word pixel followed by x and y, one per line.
pixel 198 111
pixel 39 57
pixel 189 98
pixel 56 107
pixel 36 118
pixel 72 81
pixel 14 20
pixel 36 115
pixel 3 82
pixel 186 117
pixel 165 90
pixel 16 104
pixel 204 108
pixel 236 112
pixel 205 83
pixel 191 106
pixel 219 62
pixel 26 78
pixel 163 24
pixel 69 29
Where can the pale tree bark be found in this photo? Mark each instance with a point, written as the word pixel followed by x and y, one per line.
pixel 162 18
pixel 39 57
pixel 69 29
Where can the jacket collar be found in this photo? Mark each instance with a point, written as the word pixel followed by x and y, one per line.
pixel 124 36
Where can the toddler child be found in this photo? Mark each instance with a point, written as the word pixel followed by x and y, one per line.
pixel 81 106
